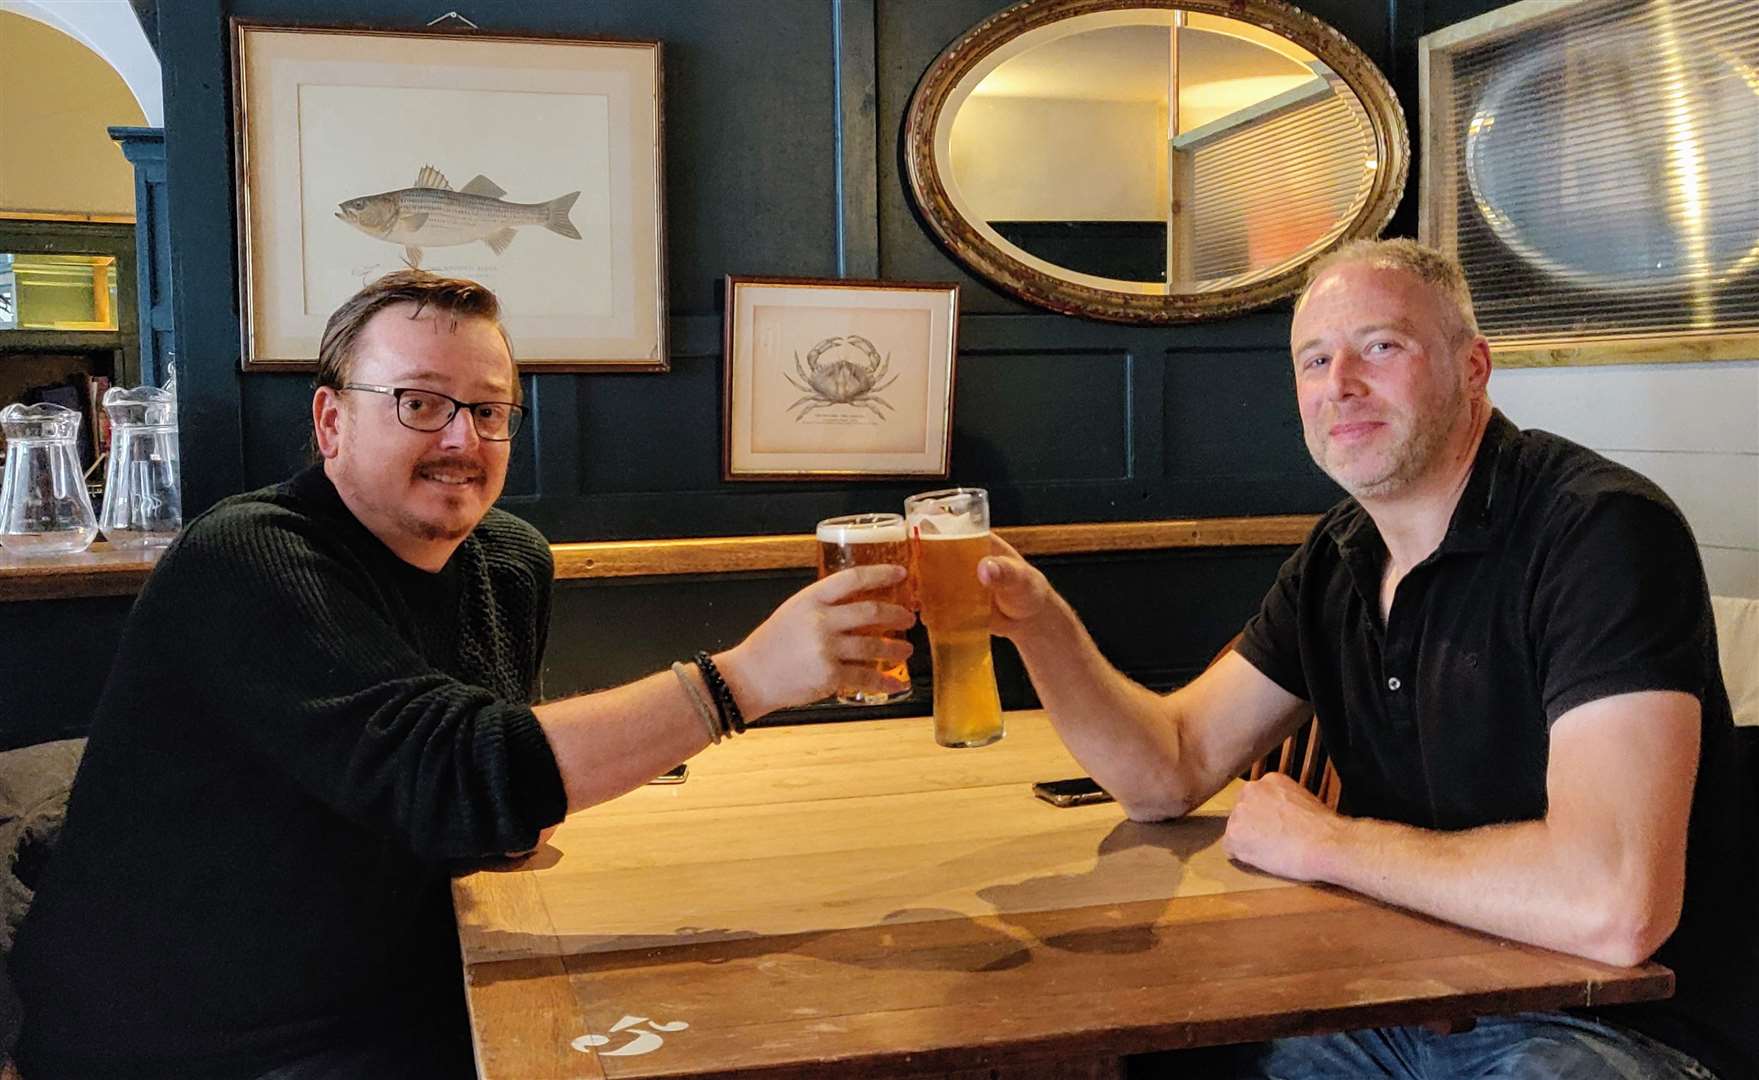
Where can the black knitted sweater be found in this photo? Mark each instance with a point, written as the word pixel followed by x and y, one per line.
pixel 301 734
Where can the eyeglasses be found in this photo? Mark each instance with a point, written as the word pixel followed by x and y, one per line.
pixel 426 410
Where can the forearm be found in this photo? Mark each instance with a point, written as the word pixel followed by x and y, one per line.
pixel 613 741
pixel 1123 734
pixel 1522 881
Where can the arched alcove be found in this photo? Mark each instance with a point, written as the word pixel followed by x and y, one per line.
pixel 57 98
pixel 108 28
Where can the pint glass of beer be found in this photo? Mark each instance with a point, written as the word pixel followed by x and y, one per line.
pixel 863 540
pixel 949 533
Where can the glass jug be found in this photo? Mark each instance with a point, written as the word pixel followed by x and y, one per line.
pixel 143 503
pixel 44 509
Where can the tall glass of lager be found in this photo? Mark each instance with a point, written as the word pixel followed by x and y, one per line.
pixel 949 533
pixel 863 540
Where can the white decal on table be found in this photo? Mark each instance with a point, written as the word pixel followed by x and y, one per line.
pixel 641 1041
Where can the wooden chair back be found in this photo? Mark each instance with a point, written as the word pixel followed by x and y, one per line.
pixel 1301 757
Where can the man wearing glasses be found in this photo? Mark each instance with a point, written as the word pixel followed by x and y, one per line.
pixel 320 705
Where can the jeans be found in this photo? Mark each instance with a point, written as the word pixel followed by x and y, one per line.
pixel 1540 1046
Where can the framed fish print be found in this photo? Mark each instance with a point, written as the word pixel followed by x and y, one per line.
pixel 834 378
pixel 529 164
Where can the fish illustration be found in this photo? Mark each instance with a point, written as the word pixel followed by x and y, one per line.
pixel 431 214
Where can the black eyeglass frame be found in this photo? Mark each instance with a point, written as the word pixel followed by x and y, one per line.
pixel 515 418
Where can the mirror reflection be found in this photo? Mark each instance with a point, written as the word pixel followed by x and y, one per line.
pixel 57 292
pixel 1156 151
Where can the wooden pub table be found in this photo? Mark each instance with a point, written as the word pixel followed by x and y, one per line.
pixel 851 900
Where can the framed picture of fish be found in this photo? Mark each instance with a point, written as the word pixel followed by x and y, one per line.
pixel 530 164
pixel 836 378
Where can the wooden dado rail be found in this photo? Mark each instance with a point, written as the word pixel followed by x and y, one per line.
pixel 103 571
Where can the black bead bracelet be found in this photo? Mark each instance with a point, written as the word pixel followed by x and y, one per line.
pixel 732 722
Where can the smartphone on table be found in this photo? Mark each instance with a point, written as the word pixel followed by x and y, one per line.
pixel 1077 791
pixel 674 775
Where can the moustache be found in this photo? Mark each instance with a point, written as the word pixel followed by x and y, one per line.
pixel 455 466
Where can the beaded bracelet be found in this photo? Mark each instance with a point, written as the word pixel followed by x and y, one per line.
pixel 731 721
pixel 696 699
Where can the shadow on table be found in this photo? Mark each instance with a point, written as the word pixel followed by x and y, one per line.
pixel 1110 907
pixel 1016 903
pixel 1100 910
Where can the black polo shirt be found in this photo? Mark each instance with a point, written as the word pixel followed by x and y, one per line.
pixel 1563 578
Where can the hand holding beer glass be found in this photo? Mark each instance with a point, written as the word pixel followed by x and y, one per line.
pixel 866 540
pixel 949 535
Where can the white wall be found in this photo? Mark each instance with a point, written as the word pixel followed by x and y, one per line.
pixel 1691 428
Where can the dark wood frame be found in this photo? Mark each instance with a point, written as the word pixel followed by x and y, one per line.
pixel 735 282
pixel 996 266
pixel 238 25
pixel 45 234
pixel 49 234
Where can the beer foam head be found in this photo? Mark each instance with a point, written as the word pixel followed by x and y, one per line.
pixel 940 525
pixel 862 529
pixel 948 514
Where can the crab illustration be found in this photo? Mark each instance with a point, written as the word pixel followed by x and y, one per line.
pixel 851 376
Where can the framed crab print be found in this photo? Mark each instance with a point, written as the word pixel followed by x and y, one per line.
pixel 529 164
pixel 828 378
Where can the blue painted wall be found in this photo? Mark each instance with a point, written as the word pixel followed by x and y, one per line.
pixel 782 122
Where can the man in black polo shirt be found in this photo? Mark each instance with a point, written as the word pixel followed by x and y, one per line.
pixel 1507 640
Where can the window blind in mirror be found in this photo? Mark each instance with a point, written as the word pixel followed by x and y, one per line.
pixel 1268 188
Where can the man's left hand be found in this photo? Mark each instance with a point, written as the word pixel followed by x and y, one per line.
pixel 1281 828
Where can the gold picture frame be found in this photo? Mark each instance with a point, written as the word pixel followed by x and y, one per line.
pixel 836 378
pixel 962 66
pixel 531 164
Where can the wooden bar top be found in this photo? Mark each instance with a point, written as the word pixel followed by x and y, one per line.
pixel 848 899
pixel 104 571
pixel 100 570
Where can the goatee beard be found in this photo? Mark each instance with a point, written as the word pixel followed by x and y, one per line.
pixel 424 529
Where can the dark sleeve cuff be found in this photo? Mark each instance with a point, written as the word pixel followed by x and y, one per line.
pixel 1624 607
pixel 536 792
pixel 1631 682
pixel 1261 657
pixel 1270 640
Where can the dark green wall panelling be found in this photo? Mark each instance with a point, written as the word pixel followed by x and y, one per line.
pixel 1162 626
pixel 782 125
pixel 53 663
pixel 782 139
pixel 145 150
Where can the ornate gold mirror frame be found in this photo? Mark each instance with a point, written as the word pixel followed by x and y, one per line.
pixel 948 79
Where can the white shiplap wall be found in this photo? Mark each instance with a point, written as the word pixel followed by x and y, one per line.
pixel 1691 428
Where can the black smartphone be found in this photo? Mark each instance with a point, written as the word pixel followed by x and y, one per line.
pixel 1078 791
pixel 674 775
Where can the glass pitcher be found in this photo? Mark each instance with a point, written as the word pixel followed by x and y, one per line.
pixel 44 508
pixel 143 502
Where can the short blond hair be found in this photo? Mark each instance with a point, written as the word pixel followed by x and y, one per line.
pixel 1442 273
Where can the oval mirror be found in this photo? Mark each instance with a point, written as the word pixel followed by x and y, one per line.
pixel 1154 162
